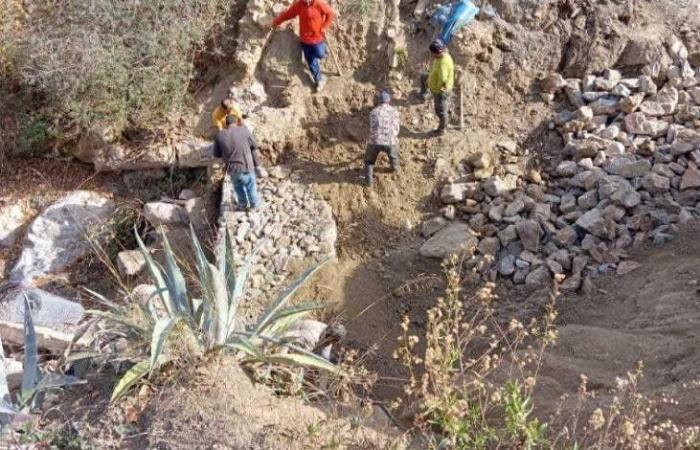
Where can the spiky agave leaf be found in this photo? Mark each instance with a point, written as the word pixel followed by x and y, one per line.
pixel 31 374
pixel 56 380
pixel 156 276
pixel 284 297
pixel 174 280
pixel 4 388
pixel 296 356
pixel 218 298
pixel 161 331
pixel 243 344
pixel 118 318
pixel 102 299
pixel 305 360
pixel 283 319
pixel 236 294
pixel 7 408
pixel 133 375
pixel 207 315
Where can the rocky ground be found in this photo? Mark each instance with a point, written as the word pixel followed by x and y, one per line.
pixel 627 173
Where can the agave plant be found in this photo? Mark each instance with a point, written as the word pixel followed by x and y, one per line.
pixel 34 382
pixel 214 318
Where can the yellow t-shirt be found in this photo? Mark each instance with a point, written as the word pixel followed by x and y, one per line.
pixel 442 74
pixel 219 115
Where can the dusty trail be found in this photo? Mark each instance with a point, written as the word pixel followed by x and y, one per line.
pixel 650 315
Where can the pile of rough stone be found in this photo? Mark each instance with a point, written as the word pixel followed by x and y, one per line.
pixel 292 230
pixel 629 173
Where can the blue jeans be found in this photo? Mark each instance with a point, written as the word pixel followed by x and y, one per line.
pixel 245 187
pixel 314 53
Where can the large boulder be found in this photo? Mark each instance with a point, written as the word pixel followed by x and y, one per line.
pixel 162 213
pixel 12 219
pixel 642 49
pixel 452 239
pixel 55 318
pixel 63 234
pixel 107 154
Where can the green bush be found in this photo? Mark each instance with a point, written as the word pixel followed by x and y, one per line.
pixel 175 327
pixel 34 132
pixel 126 65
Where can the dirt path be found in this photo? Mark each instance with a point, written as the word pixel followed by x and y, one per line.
pixel 651 315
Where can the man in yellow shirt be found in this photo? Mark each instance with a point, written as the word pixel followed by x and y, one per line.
pixel 226 108
pixel 440 81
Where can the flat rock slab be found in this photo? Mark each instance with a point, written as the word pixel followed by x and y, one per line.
pixel 60 236
pixel 55 318
pixel 450 240
pixel 48 310
pixel 626 267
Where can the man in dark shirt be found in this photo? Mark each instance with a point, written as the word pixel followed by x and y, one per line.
pixel 236 146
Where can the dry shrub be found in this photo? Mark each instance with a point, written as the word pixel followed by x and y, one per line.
pixel 472 386
pixel 126 65
pixel 629 421
pixel 473 383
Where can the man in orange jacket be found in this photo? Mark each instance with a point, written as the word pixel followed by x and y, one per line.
pixel 315 16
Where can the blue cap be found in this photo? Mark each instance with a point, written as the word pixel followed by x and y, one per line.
pixel 384 97
pixel 437 46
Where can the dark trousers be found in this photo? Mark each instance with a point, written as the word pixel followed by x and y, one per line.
pixel 314 53
pixel 373 152
pixel 441 103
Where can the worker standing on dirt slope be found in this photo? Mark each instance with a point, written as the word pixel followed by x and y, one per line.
pixel 384 128
pixel 226 108
pixel 236 146
pixel 440 81
pixel 315 16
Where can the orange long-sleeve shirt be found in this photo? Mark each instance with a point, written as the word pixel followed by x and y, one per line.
pixel 313 20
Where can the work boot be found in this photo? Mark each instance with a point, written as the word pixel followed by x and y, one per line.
pixel 320 83
pixel 369 175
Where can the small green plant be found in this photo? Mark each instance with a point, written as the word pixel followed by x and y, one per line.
pixel 34 382
pixel 34 133
pixel 207 324
pixel 401 58
pixel 360 8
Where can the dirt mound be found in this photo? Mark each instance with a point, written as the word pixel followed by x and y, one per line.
pixel 221 408
pixel 649 315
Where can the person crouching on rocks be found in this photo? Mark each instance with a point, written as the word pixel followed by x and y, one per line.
pixel 227 108
pixel 384 126
pixel 236 146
